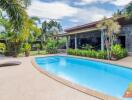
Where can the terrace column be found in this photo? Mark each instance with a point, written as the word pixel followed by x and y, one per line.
pixel 75 41
pixel 67 42
pixel 102 39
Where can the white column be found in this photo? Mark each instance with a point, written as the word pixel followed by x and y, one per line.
pixel 75 41
pixel 67 42
pixel 102 39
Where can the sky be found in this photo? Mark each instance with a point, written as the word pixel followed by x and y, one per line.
pixel 72 13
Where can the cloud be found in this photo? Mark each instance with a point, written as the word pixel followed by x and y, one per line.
pixel 66 12
pixel 89 15
pixel 121 2
pixel 114 2
pixel 53 10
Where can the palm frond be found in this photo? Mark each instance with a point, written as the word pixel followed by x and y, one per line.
pixel 16 13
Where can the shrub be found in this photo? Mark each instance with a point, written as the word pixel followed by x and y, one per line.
pixel 2 48
pixel 101 54
pixel 88 53
pixel 87 47
pixel 38 48
pixel 118 52
pixel 51 46
pixel 27 48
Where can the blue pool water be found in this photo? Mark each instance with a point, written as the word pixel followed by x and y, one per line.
pixel 106 78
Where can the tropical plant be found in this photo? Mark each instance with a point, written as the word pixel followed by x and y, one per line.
pixel 61 42
pixel 51 46
pixel 34 31
pixel 128 11
pixel 118 52
pixel 38 48
pixel 16 12
pixel 27 49
pixel 128 93
pixel 48 29
pixel 111 28
pixel 88 53
pixel 16 26
pixel 87 47
pixel 2 48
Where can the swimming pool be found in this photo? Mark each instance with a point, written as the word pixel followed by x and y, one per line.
pixel 106 78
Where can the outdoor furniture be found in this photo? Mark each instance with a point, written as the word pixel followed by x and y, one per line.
pixel 10 63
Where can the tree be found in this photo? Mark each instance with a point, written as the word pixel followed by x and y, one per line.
pixel 48 29
pixel 17 24
pixel 16 12
pixel 34 31
pixel 111 28
pixel 128 10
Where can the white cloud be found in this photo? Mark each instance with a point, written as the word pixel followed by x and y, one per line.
pixel 121 2
pixel 115 2
pixel 89 15
pixel 54 10
pixel 59 10
pixel 84 2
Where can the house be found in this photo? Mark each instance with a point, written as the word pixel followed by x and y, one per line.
pixel 90 34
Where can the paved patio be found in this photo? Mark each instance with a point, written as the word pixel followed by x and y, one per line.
pixel 24 82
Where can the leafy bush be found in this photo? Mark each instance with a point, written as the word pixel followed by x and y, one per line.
pixel 51 46
pixel 2 47
pixel 88 53
pixel 118 52
pixel 38 48
pixel 101 54
pixel 61 43
pixel 27 47
pixel 87 47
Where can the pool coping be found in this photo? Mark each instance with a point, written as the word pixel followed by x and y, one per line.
pixel 75 86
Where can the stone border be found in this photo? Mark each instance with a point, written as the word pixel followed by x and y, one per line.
pixel 73 85
pixel 116 63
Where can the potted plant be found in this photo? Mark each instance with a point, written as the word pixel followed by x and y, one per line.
pixel 27 49
pixel 38 48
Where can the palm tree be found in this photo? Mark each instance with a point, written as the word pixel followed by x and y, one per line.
pixel 34 31
pixel 50 28
pixel 111 28
pixel 17 23
pixel 16 12
pixel 128 10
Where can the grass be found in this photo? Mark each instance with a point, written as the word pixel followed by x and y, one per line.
pixel 33 53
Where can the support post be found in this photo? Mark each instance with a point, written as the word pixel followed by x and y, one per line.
pixel 102 39
pixel 75 41
pixel 67 42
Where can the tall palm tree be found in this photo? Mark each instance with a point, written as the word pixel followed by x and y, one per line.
pixel 111 28
pixel 16 11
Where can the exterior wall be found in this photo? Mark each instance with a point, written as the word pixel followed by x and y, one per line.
pixel 127 31
pixel 92 38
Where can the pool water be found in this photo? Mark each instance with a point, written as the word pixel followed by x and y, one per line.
pixel 109 79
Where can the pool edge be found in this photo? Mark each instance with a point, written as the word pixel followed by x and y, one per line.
pixel 70 84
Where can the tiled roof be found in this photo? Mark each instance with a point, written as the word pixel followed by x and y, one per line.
pixel 122 21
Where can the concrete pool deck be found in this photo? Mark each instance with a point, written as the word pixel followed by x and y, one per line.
pixel 24 82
